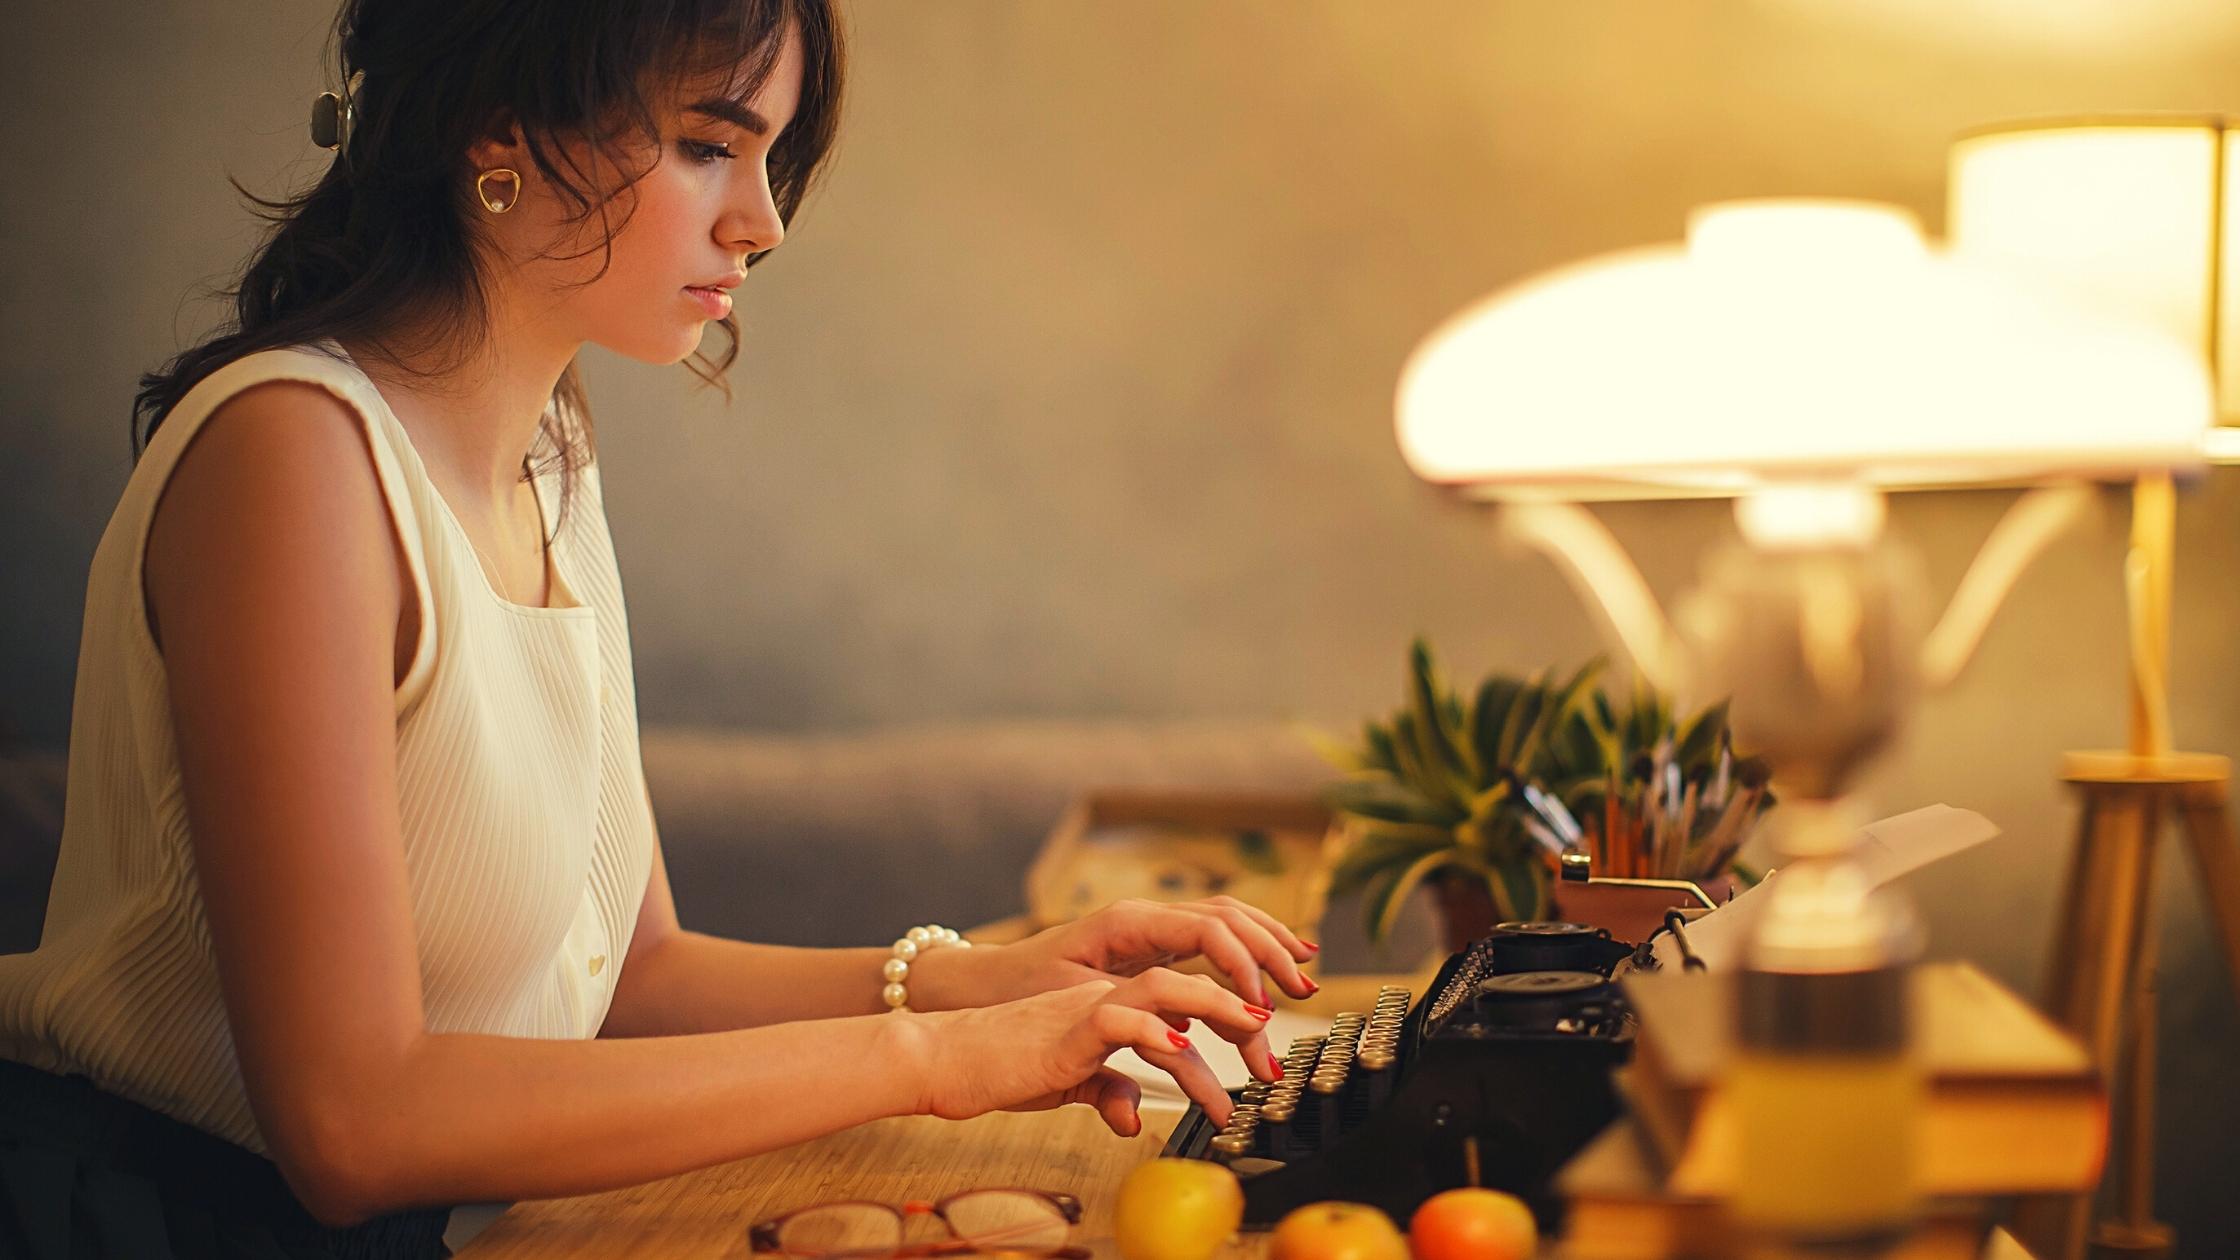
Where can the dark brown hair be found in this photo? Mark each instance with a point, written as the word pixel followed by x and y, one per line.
pixel 386 234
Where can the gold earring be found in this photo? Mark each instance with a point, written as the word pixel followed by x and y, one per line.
pixel 505 201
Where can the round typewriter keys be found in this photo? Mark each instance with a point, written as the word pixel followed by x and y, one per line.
pixel 1329 1076
pixel 1380 1042
pixel 1282 1100
pixel 1235 1137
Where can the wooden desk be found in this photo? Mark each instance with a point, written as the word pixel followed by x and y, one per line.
pixel 705 1214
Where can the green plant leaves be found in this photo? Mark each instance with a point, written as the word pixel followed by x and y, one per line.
pixel 1698 742
pixel 1436 786
pixel 1435 722
pixel 1386 849
pixel 1497 696
pixel 1386 801
pixel 1381 908
pixel 1520 890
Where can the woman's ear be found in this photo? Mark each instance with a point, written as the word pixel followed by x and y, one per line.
pixel 500 144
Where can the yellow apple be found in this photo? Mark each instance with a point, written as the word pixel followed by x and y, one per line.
pixel 1473 1225
pixel 1336 1231
pixel 1176 1209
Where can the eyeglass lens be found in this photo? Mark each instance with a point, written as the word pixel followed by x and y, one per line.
pixel 1003 1220
pixel 1009 1220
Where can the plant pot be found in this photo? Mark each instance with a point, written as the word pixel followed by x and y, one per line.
pixel 1465 909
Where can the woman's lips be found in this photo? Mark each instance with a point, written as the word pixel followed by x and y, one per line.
pixel 715 303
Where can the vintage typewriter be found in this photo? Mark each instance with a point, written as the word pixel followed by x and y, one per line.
pixel 1494 1078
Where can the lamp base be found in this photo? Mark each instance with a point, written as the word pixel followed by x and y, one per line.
pixel 2103 975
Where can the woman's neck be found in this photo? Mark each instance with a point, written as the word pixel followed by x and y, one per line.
pixel 480 419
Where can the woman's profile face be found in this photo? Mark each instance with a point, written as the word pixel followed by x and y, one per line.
pixel 704 205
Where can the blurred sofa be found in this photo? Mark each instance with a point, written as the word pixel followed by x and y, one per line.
pixel 841 839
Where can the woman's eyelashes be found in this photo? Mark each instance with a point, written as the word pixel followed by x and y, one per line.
pixel 702 152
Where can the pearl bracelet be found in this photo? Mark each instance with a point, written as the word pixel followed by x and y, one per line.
pixel 913 943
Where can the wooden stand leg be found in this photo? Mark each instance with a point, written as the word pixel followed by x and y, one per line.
pixel 2097 953
pixel 2216 857
pixel 2102 983
pixel 2133 1233
pixel 2094 957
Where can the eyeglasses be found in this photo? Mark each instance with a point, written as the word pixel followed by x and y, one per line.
pixel 1008 1219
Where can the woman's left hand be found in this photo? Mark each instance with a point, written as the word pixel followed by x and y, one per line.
pixel 1243 942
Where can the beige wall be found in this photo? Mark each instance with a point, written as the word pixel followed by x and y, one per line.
pixel 1071 394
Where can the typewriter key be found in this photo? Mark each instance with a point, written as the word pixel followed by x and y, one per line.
pixel 1231 1144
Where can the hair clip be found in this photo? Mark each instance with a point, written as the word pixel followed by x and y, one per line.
pixel 331 115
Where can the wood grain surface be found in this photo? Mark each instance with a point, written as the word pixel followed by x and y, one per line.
pixel 704 1215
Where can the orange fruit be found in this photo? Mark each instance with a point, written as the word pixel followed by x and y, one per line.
pixel 1336 1231
pixel 1473 1224
pixel 1176 1209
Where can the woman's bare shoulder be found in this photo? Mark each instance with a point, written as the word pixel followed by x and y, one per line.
pixel 275 498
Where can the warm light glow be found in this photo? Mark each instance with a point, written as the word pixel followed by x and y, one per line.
pixel 2127 216
pixel 1792 341
pixel 2098 28
pixel 1810 514
pixel 1775 234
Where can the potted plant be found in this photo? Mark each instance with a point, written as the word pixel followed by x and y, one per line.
pixel 1476 795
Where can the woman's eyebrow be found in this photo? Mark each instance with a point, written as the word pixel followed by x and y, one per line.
pixel 731 111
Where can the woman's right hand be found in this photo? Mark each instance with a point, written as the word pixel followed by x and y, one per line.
pixel 1050 1049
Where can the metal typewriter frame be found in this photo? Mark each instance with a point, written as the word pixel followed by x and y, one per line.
pixel 1502 1111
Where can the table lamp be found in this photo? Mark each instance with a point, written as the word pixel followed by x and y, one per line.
pixel 2134 216
pixel 1800 358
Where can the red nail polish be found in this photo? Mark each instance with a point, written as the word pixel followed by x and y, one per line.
pixel 1177 1023
pixel 1275 1065
pixel 1179 1041
pixel 1312 987
pixel 1259 1012
pixel 1312 948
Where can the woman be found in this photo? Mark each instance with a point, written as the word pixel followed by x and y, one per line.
pixel 360 910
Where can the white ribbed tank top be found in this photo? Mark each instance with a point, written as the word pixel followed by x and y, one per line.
pixel 527 831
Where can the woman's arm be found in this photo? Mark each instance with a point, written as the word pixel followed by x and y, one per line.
pixel 677 981
pixel 276 585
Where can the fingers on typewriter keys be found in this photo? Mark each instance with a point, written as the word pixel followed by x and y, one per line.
pixel 1175 998
pixel 1274 947
pixel 1283 1096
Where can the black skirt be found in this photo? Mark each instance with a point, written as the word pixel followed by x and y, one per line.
pixel 86 1175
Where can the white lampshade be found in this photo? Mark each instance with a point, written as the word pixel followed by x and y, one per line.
pixel 1790 342
pixel 2133 214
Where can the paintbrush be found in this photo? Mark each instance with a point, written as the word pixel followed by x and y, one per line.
pixel 1684 834
pixel 1734 824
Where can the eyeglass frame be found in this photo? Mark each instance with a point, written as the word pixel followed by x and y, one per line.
pixel 762 1237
